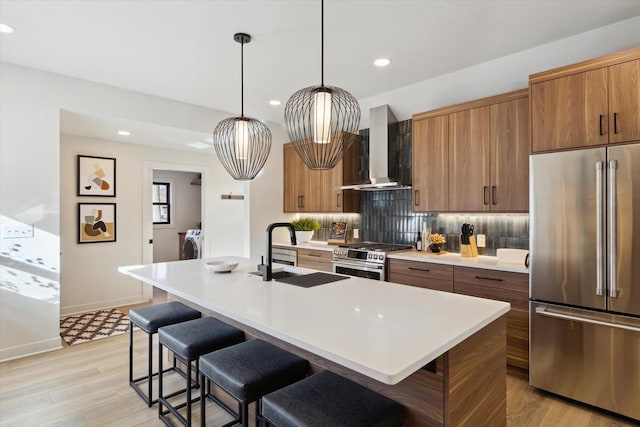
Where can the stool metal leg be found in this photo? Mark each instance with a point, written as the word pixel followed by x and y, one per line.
pixel 160 398
pixel 150 362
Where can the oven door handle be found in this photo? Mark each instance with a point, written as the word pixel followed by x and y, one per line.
pixel 359 266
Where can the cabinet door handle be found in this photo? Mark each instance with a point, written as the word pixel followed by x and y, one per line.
pixel 494 279
pixel 299 202
pixel 315 255
pixel 601 118
pixel 417 197
pixel 426 270
pixel 302 200
pixel 493 195
pixel 484 195
pixel 615 122
pixel 338 200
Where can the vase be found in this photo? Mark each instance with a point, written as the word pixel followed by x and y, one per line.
pixel 304 236
pixel 435 247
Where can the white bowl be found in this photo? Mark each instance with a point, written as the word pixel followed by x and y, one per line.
pixel 222 266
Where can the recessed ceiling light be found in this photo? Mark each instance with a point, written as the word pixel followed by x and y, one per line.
pixel 382 62
pixel 275 102
pixel 4 28
pixel 124 132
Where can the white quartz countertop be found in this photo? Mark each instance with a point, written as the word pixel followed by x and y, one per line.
pixel 482 261
pixel 382 330
pixel 321 246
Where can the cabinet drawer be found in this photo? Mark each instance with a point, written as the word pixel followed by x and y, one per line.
pixel 422 274
pixel 493 278
pixel 316 259
pixel 518 300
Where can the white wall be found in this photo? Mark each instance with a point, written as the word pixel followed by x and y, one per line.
pixel 30 104
pixel 185 214
pixel 503 74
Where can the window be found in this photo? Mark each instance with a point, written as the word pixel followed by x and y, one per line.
pixel 161 203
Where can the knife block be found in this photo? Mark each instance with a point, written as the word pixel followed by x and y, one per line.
pixel 470 250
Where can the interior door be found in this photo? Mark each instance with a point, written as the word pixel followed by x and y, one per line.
pixel 624 244
pixel 564 238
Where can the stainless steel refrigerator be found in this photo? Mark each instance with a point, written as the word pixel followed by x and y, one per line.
pixel 585 276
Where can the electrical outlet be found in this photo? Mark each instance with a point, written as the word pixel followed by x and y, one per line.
pixel 356 233
pixel 482 241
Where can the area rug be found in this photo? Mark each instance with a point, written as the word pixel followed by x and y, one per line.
pixel 93 326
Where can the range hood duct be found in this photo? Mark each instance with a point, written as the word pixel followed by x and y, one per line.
pixel 379 120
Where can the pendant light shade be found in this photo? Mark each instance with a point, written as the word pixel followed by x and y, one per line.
pixel 322 121
pixel 242 143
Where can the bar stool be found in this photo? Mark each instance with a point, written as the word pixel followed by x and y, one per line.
pixel 149 319
pixel 327 399
pixel 247 371
pixel 188 341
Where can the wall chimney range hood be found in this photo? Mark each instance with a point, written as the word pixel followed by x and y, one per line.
pixel 379 120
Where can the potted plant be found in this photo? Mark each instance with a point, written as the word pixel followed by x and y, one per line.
pixel 304 228
pixel 437 240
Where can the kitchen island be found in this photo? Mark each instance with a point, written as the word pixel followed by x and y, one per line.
pixel 442 356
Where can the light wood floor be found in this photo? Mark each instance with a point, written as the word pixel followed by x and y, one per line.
pixel 87 385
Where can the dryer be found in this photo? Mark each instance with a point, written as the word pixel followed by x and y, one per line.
pixel 192 247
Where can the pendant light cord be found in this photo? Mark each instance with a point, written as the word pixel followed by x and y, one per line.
pixel 322 43
pixel 242 78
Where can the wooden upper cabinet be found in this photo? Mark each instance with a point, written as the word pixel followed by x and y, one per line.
pixel 569 112
pixel 430 162
pixel 308 190
pixel 509 142
pixel 594 102
pixel 469 179
pixel 624 96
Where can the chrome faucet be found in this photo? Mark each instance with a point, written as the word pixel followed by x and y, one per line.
pixel 266 269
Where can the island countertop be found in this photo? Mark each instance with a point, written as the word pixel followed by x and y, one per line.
pixel 382 330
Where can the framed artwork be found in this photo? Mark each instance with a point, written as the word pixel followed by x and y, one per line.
pixel 96 176
pixel 96 222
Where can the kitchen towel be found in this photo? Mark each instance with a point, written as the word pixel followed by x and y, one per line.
pixel 512 256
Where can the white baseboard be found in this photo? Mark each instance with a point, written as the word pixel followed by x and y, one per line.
pixel 101 305
pixel 30 349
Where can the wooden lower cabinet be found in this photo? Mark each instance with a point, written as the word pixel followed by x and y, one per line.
pixel 422 274
pixel 315 259
pixel 502 286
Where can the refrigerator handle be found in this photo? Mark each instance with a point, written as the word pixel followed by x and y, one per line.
pixel 612 230
pixel 599 226
pixel 543 311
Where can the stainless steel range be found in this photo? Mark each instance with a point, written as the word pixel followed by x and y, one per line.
pixel 368 260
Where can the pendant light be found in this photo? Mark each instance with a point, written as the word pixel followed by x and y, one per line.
pixel 242 143
pixel 322 121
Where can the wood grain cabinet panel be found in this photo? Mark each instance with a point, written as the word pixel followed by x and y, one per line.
pixel 474 158
pixel 624 96
pixel 509 141
pixel 429 164
pixel 595 102
pixel 422 274
pixel 315 259
pixel 469 160
pixel 502 286
pixel 306 190
pixel 569 112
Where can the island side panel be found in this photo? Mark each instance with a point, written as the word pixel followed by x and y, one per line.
pixel 476 384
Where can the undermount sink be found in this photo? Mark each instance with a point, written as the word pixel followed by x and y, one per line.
pixel 279 274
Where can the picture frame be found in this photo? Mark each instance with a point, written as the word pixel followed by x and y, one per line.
pixel 96 222
pixel 96 176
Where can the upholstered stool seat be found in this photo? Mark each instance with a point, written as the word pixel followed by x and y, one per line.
pixel 149 319
pixel 248 371
pixel 327 399
pixel 188 341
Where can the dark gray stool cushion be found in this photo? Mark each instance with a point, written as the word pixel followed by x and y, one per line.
pixel 152 317
pixel 327 399
pixel 194 338
pixel 252 369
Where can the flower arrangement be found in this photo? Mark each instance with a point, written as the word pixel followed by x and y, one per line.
pixel 437 239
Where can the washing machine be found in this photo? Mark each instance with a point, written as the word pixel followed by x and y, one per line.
pixel 192 247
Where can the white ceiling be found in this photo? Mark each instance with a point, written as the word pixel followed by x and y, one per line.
pixel 184 50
